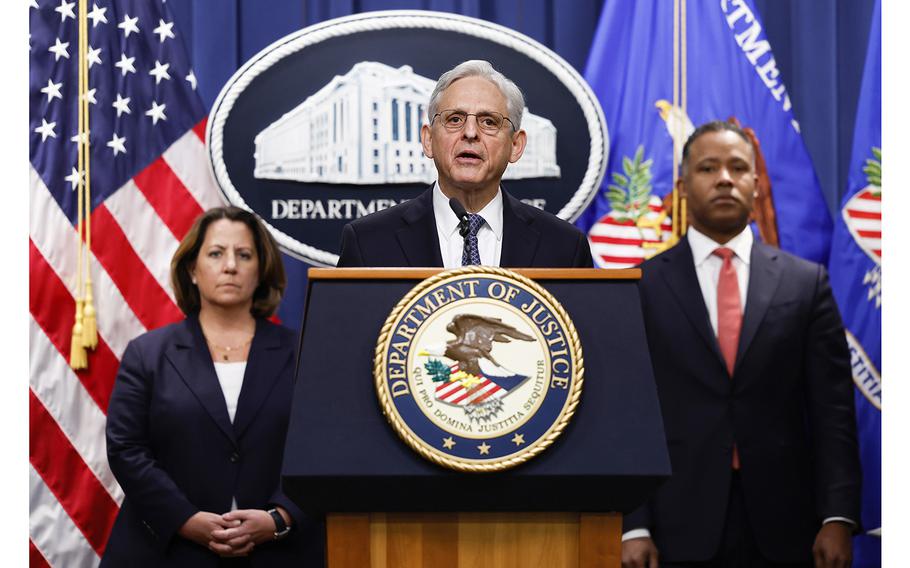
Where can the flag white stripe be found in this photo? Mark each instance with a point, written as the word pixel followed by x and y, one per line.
pixel 865 224
pixel 53 531
pixel 603 264
pixel 869 205
pixel 624 232
pixel 146 232
pixel 627 251
pixel 71 406
pixel 185 157
pixel 55 238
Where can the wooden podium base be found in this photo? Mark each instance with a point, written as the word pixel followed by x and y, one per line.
pixel 468 540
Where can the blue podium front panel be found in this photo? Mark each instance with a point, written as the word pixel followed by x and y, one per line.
pixel 342 455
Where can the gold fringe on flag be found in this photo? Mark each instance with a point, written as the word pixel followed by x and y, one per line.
pixel 78 355
pixel 89 324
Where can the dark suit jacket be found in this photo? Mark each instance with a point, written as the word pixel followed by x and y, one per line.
pixel 174 450
pixel 788 407
pixel 405 235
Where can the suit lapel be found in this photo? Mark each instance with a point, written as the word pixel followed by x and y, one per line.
pixel 263 370
pixel 519 239
pixel 418 238
pixel 683 283
pixel 764 277
pixel 189 354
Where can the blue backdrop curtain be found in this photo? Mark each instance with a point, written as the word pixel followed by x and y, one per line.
pixel 819 46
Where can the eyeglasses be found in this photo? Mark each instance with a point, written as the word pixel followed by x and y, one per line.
pixel 489 121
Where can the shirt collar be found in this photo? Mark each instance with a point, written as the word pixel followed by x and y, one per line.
pixel 447 221
pixel 703 246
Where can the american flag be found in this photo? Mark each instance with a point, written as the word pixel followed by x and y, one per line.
pixel 149 180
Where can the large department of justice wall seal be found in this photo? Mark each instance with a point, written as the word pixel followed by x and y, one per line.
pixel 478 369
pixel 323 126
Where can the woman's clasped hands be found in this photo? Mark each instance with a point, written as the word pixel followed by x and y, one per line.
pixel 235 533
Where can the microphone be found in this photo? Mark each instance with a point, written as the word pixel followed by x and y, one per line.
pixel 462 215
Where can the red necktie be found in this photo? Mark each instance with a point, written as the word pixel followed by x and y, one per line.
pixel 729 316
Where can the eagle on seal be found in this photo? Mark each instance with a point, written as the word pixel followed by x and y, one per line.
pixel 474 337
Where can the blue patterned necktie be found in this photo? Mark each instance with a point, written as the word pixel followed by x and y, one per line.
pixel 470 254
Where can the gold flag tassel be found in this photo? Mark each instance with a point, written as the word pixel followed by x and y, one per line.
pixel 89 323
pixel 78 355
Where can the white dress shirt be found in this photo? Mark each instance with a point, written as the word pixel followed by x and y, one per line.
pixel 451 243
pixel 707 269
pixel 230 376
pixel 708 265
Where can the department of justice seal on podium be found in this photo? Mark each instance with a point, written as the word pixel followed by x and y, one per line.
pixel 478 369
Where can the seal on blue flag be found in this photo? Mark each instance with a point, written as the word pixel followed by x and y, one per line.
pixel 478 369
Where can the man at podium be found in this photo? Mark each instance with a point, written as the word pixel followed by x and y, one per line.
pixel 466 217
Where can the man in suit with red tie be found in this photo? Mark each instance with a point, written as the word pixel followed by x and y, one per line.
pixel 754 379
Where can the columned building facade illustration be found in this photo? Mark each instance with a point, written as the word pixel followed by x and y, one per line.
pixel 364 128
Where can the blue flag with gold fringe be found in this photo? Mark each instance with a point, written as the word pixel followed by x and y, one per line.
pixel 856 273
pixel 661 67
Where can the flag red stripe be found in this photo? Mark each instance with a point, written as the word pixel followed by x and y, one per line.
pixel 869 196
pixel 74 485
pixel 870 234
pixel 199 129
pixel 35 558
pixel 145 297
pixel 864 214
pixel 619 240
pixel 168 197
pixel 53 307
pixel 878 252
pixel 622 259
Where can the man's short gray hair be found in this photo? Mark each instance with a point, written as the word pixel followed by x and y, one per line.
pixel 515 100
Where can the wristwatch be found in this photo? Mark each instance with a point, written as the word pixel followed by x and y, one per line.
pixel 281 527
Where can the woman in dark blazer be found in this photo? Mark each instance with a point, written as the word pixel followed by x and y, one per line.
pixel 199 412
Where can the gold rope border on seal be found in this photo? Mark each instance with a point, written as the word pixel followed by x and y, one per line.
pixel 432 454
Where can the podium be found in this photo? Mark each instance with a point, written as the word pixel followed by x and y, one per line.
pixel 386 506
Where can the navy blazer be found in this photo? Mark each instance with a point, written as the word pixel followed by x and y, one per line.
pixel 405 235
pixel 174 451
pixel 788 407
